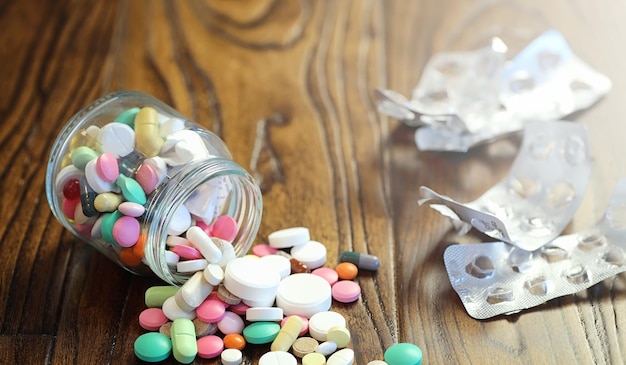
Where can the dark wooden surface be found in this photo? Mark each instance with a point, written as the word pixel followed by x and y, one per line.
pixel 293 80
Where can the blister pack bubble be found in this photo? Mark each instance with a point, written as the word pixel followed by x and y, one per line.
pixel 465 99
pixel 497 278
pixel 540 194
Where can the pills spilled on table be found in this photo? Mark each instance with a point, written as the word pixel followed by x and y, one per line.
pixel 289 312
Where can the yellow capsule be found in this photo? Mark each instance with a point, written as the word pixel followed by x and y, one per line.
pixel 147 139
pixel 107 202
pixel 287 334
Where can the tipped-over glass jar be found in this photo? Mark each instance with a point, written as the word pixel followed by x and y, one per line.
pixel 130 176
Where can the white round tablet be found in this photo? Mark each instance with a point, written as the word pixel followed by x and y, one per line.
pixel 341 357
pixel 280 263
pixel 321 322
pixel 117 138
pixel 289 237
pixel 231 357
pixel 251 278
pixel 303 294
pixel 267 314
pixel 312 254
pixel 278 358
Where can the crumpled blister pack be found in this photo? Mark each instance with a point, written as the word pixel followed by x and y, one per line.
pixel 495 278
pixel 539 196
pixel 464 99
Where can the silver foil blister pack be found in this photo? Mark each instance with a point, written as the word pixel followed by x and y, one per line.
pixel 464 99
pixel 497 278
pixel 539 196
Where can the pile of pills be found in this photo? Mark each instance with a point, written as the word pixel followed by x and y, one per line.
pixel 279 295
pixel 113 170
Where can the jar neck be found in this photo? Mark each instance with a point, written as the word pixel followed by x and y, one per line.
pixel 243 203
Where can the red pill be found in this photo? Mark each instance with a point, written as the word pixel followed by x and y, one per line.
pixel 71 190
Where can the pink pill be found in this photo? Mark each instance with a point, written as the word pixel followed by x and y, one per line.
pixel 186 252
pixel 126 231
pixel 106 167
pixel 69 207
pixel 147 178
pixel 328 274
pixel 305 322
pixel 205 227
pixel 224 227
pixel 152 319
pixel 210 346
pixel 231 323
pixel 239 309
pixel 263 249
pixel 346 291
pixel 211 311
pixel 131 209
pixel 215 296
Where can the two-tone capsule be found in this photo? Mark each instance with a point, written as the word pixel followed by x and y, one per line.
pixel 361 260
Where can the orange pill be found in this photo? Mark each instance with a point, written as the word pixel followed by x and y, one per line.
pixel 347 270
pixel 234 341
pixel 128 257
pixel 138 248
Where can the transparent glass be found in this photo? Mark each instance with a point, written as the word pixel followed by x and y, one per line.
pixel 207 166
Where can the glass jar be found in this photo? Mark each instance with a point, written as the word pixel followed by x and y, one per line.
pixel 129 150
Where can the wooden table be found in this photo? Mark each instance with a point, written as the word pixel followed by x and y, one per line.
pixel 289 86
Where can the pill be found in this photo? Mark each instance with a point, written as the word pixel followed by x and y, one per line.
pixel 234 341
pixel 66 174
pixel 304 345
pixel 128 165
pixel 240 308
pixel 326 348
pixel 303 294
pixel 191 266
pixel 147 136
pixel 256 314
pixel 203 243
pixel 346 291
pixel 117 139
pixel 131 209
pixel 173 311
pixel 156 295
pixel 172 241
pixel 211 311
pixel 377 362
pixel 180 222
pixel 288 333
pixel 305 324
pixel 327 274
pixel 69 207
pixel 231 357
pixel 210 347
pixel 171 258
pixel 184 345
pixel 224 227
pixel 152 319
pixel 87 198
pixel 342 357
pixel 262 249
pixel 108 222
pixel 82 155
pixel 226 296
pixel 277 358
pixel 298 267
pixel 165 329
pixel 71 189
pixel 261 332
pixel 347 270
pixel 214 274
pixel 361 260
pixel 106 167
pixel 186 252
pixel 251 279
pixel 321 322
pixel 312 254
pixel 147 177
pixel 131 190
pixel 126 231
pixel 194 291
pixel 127 117
pixel 107 202
pixel 203 328
pixel 231 323
pixel 153 347
pixel 96 230
pixel 339 335
pixel 289 237
pixel 313 358
pixel 403 353
pixel 80 218
pixel 97 183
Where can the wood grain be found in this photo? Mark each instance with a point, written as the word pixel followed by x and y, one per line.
pixel 289 87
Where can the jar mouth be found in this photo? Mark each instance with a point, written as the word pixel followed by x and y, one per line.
pixel 243 203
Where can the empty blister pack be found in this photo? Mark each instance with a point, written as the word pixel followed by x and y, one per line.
pixel 464 99
pixel 536 200
pixel 497 278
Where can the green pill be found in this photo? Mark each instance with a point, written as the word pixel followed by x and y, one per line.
pixel 184 345
pixel 128 117
pixel 261 332
pixel 156 295
pixel 131 190
pixel 82 155
pixel 153 347
pixel 108 220
pixel 403 354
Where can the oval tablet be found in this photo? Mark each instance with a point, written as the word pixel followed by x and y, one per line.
pixel 261 332
pixel 153 347
pixel 289 237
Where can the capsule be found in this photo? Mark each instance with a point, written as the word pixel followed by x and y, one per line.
pixel 361 260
